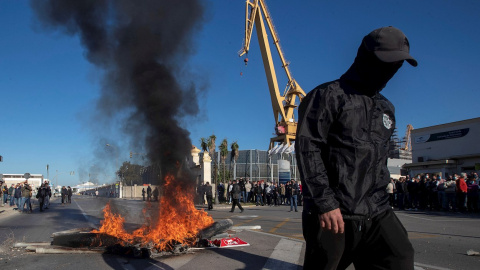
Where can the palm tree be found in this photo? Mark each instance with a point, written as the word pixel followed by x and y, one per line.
pixel 234 156
pixel 223 154
pixel 204 144
pixel 211 144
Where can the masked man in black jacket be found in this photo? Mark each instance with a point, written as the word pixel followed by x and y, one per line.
pixel 342 149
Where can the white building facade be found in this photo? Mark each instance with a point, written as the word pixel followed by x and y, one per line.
pixel 446 149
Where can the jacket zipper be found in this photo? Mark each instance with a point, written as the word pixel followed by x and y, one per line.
pixel 372 111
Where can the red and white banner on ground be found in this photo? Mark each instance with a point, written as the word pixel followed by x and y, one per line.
pixel 230 242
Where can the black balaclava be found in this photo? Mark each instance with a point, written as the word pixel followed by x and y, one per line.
pixel 368 75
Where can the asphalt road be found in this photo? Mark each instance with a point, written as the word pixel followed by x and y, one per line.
pixel 441 240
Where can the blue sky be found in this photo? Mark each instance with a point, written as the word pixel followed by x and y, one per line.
pixel 48 88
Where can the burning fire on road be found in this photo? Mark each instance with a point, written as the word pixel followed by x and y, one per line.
pixel 178 221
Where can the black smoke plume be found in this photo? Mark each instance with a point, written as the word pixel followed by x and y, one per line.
pixel 141 47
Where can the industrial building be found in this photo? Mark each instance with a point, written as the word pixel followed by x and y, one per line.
pixel 446 149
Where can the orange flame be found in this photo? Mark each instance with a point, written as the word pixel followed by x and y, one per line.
pixel 178 221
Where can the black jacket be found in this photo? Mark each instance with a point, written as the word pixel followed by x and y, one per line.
pixel 236 191
pixel 208 190
pixel 343 138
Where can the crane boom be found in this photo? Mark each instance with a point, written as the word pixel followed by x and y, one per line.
pixel 283 105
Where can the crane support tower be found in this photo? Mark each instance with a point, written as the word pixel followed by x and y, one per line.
pixel 283 105
pixel 408 138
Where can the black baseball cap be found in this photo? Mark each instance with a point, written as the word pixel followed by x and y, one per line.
pixel 389 44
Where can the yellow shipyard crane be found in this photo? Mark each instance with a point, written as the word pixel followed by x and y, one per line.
pixel 283 105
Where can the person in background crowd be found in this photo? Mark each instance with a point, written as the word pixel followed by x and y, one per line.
pixel 209 195
pixel 221 192
pixel 441 192
pixel 64 194
pixel 5 194
pixel 48 195
pixel 18 197
pixel 450 202
pixel 422 192
pixel 229 191
pixel 258 194
pixel 401 188
pixel 295 191
pixel 412 188
pixel 472 194
pixel 243 192
pixel 264 186
pixel 41 194
pixel 418 192
pixel 276 192
pixel 1 193
pixel 155 194
pixel 268 194
pixel 390 188
pixel 235 194
pixel 143 194
pixel 288 192
pixel 248 190
pixel 282 194
pixel 432 193
pixel 69 194
pixel 300 193
pixel 461 194
pixel 27 195
pixel 11 192
pixel 149 193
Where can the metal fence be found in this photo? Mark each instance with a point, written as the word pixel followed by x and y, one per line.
pixel 254 165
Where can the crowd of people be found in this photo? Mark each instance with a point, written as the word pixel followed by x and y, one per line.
pixel 66 194
pixel 155 194
pixel 260 192
pixel 19 196
pixel 458 192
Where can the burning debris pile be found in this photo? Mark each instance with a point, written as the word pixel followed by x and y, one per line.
pixel 178 221
pixel 88 240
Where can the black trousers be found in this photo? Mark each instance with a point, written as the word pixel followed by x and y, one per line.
pixel 378 243
pixel 209 201
pixel 41 201
pixel 236 202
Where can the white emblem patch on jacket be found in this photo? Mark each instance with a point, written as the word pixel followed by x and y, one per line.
pixel 387 122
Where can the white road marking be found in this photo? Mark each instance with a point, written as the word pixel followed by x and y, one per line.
pixel 417 266
pixel 279 236
pixel 85 215
pixel 285 255
pixel 436 220
pixel 254 227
